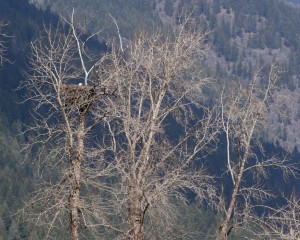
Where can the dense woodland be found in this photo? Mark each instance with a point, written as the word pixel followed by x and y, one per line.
pixel 242 36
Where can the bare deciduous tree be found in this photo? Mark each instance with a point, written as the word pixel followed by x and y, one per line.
pixel 60 139
pixel 131 160
pixel 243 112
pixel 159 81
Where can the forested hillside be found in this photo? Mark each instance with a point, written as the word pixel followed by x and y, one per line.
pixel 95 15
pixel 296 2
pixel 182 184
pixel 22 23
pixel 243 35
pixel 248 34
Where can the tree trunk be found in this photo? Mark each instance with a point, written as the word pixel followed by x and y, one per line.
pixel 75 182
pixel 225 228
pixel 223 231
pixel 74 201
pixel 136 212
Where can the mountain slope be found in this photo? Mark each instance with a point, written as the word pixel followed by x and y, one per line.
pixel 245 35
pixel 95 15
pixel 24 23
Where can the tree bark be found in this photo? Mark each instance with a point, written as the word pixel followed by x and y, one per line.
pixel 136 212
pixel 224 228
pixel 74 199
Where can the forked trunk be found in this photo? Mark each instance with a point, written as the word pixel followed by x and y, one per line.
pixel 223 232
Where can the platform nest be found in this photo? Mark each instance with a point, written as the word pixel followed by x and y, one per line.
pixel 77 97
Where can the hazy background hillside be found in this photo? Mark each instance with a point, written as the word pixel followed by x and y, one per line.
pixel 294 1
pixel 243 35
pixel 94 15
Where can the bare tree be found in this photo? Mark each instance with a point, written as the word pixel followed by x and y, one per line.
pixel 159 80
pixel 243 113
pixel 60 139
pixel 109 137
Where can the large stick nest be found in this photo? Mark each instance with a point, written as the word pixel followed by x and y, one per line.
pixel 77 97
